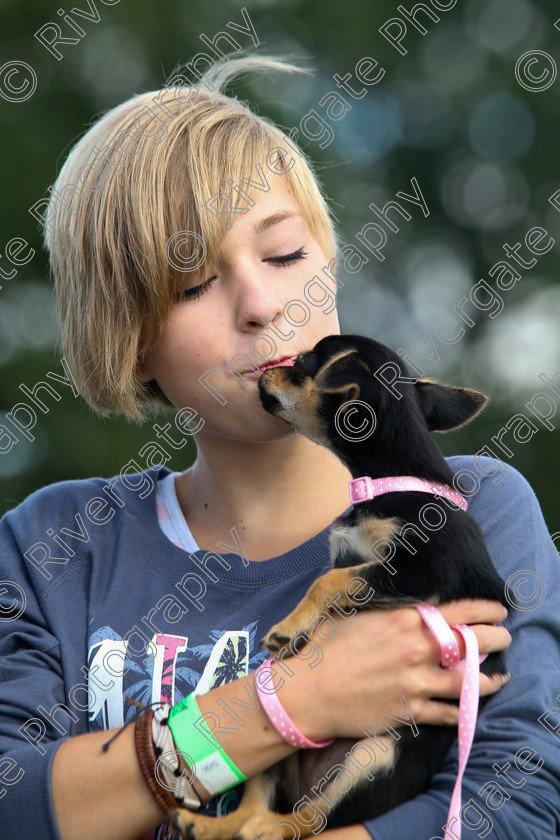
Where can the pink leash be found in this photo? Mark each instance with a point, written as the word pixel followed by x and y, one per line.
pixel 468 702
pixel 365 489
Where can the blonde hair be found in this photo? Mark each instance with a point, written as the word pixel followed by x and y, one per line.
pixel 113 210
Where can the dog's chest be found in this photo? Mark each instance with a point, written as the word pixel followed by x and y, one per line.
pixel 361 534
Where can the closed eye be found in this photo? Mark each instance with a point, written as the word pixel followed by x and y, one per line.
pixel 194 292
pixel 288 259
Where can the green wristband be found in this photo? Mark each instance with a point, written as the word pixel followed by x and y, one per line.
pixel 211 764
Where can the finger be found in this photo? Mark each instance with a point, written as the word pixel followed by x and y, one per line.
pixel 473 611
pixel 438 713
pixel 491 684
pixel 446 684
pixel 491 638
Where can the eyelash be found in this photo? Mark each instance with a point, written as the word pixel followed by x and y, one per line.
pixel 197 291
pixel 288 259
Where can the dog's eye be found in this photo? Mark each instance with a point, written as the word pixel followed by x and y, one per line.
pixel 296 375
pixel 308 363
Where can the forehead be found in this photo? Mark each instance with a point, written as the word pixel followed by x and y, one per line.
pixel 275 211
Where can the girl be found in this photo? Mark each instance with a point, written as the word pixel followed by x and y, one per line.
pixel 180 228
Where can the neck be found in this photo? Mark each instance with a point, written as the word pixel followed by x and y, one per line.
pixel 288 489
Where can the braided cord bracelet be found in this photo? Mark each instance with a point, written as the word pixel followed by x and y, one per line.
pixel 168 778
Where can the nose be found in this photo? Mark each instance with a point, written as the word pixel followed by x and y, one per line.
pixel 257 302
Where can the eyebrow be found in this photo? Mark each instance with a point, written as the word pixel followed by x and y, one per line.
pixel 276 218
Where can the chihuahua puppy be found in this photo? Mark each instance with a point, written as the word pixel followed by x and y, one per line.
pixel 356 397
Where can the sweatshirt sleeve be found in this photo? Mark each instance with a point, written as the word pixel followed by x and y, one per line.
pixel 511 786
pixel 31 679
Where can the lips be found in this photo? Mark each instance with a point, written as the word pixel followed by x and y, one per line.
pixel 284 361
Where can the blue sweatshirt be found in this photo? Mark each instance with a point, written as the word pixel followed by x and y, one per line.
pixel 97 604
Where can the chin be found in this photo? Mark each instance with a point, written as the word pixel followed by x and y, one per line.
pixel 276 431
pixel 281 428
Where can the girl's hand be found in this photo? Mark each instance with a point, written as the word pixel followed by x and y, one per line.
pixel 375 658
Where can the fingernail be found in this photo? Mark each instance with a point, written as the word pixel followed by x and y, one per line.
pixel 505 612
pixel 506 677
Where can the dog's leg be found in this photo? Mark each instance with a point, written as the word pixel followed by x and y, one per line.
pixel 328 585
pixel 194 826
pixel 292 629
pixel 282 826
pixel 355 541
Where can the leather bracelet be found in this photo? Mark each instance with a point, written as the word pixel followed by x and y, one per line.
pixel 148 759
pixel 174 769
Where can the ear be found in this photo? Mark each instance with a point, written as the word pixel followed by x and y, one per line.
pixel 447 408
pixel 347 392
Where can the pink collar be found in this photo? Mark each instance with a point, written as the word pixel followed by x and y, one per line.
pixel 365 489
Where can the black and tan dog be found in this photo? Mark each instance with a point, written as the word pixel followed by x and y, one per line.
pixel 358 379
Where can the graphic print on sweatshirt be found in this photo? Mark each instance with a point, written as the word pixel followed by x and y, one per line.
pixel 172 670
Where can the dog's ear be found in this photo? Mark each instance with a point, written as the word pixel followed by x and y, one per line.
pixel 447 408
pixel 347 392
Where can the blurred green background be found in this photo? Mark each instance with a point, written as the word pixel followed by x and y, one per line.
pixel 450 113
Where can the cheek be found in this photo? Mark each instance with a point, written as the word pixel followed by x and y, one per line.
pixel 188 345
pixel 322 323
pixel 322 320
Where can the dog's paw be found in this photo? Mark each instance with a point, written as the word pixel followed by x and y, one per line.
pixel 279 639
pixel 194 826
pixel 274 641
pixel 180 821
